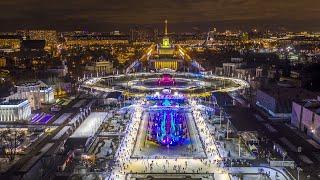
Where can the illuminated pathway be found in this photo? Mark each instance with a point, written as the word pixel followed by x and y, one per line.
pixel 127 144
pixel 91 83
pixel 126 164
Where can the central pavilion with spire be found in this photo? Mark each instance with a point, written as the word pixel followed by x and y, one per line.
pixel 166 55
pixel 165 40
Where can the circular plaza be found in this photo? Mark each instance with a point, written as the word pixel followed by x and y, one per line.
pixel 140 84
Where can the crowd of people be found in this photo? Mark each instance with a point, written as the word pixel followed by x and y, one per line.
pixel 126 164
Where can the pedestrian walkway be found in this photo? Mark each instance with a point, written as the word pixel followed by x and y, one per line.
pixel 212 164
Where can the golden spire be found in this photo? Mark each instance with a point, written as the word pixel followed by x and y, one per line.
pixel 166 27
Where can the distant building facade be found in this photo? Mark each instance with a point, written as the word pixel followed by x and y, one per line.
pixel 60 71
pixel 36 93
pixel 143 34
pixel 3 62
pixel 50 36
pixel 305 116
pixel 236 68
pixel 276 100
pixel 14 110
pixel 10 42
pixel 94 39
pixel 100 67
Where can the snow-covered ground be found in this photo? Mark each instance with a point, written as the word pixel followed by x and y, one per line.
pixel 125 164
pixel 90 125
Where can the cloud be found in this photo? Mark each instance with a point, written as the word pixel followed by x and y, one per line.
pixel 45 12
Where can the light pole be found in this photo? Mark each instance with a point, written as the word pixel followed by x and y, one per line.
pixel 283 156
pixel 239 148
pixel 228 129
pixel 299 169
pixel 220 116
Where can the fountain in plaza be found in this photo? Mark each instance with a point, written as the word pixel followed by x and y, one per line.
pixel 167 123
pixel 166 80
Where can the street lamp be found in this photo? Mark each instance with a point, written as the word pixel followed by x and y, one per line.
pixel 239 147
pixel 284 154
pixel 228 129
pixel 299 169
pixel 220 116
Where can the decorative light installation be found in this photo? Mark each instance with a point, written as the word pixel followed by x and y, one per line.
pixel 166 80
pixel 167 123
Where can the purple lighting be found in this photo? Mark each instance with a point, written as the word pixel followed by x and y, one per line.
pixel 167 127
pixel 45 119
pixel 166 80
pixel 41 118
pixel 167 121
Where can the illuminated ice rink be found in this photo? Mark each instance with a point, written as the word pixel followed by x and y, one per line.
pixel 167 135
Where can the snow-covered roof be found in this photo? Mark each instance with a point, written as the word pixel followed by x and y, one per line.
pixel 90 125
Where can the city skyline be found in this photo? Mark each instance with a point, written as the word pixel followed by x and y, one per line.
pixel 167 89
pixel 106 16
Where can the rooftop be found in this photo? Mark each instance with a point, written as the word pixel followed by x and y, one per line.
pixel 90 125
pixel 249 136
pixel 281 92
pixel 114 94
pixel 32 83
pixel 45 88
pixel 12 102
pixel 311 104
pixel 10 37
pixel 284 95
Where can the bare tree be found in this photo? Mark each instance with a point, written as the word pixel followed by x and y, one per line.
pixel 9 141
pixel 2 143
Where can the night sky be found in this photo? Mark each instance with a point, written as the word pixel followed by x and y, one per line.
pixel 103 15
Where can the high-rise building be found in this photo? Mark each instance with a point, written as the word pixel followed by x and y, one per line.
pixel 50 36
pixel 10 42
pixel 93 39
pixel 143 34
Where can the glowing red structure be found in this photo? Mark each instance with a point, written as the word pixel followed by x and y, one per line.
pixel 166 80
